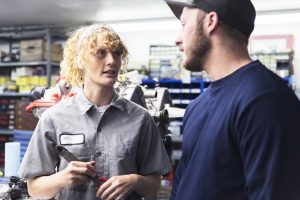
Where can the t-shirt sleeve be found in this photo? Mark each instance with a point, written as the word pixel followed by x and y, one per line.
pixel 152 158
pixel 269 142
pixel 41 157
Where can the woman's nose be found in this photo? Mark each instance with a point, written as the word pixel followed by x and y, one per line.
pixel 110 57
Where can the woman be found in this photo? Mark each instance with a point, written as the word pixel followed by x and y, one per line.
pixel 111 136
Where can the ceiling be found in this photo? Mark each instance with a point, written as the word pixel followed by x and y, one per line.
pixel 72 12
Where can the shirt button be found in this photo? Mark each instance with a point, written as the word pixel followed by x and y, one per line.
pixel 98 154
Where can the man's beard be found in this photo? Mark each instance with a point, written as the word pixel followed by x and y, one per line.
pixel 197 54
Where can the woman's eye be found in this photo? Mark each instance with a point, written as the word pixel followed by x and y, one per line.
pixel 118 53
pixel 101 52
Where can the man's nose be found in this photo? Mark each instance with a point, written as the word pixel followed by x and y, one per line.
pixel 178 41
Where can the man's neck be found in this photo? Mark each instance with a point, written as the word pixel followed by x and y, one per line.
pixel 222 62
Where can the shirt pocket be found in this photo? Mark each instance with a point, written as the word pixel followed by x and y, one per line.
pixel 81 151
pixel 124 151
pixel 76 144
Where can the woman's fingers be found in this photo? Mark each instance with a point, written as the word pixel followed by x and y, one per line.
pixel 79 172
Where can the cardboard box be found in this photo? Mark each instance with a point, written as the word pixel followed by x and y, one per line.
pixel 55 57
pixel 24 120
pixel 36 50
pixel 32 44
pixel 31 55
pixel 4 80
pixel 25 88
pixel 56 48
pixel 23 80
pixel 24 71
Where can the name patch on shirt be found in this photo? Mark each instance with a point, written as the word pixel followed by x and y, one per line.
pixel 70 139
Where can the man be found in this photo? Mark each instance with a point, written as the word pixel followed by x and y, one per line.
pixel 241 137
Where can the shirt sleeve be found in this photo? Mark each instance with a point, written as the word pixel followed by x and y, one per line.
pixel 269 142
pixel 152 158
pixel 41 157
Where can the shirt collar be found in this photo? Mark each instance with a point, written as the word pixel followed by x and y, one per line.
pixel 119 102
pixel 85 105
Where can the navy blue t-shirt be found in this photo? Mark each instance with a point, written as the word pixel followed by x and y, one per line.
pixel 241 140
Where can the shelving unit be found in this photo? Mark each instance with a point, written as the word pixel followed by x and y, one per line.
pixel 14 95
pixel 12 43
pixel 280 63
pixel 182 93
pixel 164 60
pixel 183 86
pixel 24 45
pixel 6 132
pixel 33 63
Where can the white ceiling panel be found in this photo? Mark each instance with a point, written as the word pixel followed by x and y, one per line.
pixel 63 12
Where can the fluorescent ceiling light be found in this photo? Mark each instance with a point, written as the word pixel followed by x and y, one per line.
pixel 147 25
pixel 287 18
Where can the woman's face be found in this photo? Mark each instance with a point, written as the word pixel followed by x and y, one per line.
pixel 102 69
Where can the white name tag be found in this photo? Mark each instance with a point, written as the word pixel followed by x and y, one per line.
pixel 69 139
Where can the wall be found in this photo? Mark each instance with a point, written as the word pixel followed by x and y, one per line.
pixel 138 37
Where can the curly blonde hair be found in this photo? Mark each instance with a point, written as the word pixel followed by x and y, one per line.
pixel 84 41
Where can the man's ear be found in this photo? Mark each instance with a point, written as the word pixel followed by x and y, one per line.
pixel 212 22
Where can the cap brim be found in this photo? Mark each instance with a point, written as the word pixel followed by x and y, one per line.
pixel 177 7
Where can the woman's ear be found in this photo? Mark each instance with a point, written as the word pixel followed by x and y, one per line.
pixel 80 62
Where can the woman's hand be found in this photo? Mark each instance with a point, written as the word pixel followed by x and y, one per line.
pixel 117 187
pixel 78 172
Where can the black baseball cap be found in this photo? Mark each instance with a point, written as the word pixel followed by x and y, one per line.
pixel 239 14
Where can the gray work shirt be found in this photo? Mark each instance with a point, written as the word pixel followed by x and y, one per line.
pixel 122 140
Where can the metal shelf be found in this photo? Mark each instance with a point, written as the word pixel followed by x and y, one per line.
pixel 35 63
pixel 6 132
pixel 176 138
pixel 14 94
pixel 48 34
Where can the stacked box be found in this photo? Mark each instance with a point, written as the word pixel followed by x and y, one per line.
pixel 23 119
pixel 3 140
pixel 23 137
pixel 56 54
pixel 7 113
pixel 36 50
pixel 4 80
pixel 26 83
pixel 31 50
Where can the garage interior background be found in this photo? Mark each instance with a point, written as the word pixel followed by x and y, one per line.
pixel 142 23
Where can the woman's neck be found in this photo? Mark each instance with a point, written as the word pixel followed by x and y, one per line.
pixel 100 96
